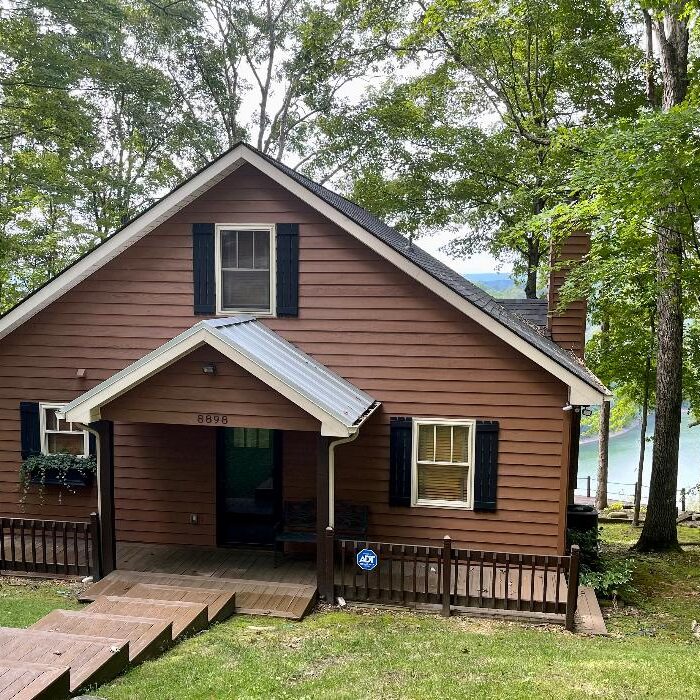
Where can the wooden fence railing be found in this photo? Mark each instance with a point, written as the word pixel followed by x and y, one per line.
pixel 458 579
pixel 55 547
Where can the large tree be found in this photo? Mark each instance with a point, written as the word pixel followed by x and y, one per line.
pixel 634 184
pixel 463 134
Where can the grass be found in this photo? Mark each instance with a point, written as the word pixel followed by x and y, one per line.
pixel 651 652
pixel 664 597
pixel 24 601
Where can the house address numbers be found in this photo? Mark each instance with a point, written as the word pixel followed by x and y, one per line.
pixel 212 419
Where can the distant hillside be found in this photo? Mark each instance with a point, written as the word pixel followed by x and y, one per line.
pixel 497 284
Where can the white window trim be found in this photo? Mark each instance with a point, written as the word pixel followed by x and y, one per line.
pixel 220 311
pixel 434 503
pixel 43 435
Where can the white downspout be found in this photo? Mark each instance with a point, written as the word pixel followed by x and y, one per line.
pixel 331 475
pixel 98 446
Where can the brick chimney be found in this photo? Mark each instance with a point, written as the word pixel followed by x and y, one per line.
pixel 567 328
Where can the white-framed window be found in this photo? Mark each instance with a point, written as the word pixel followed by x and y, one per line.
pixel 61 436
pixel 245 268
pixel 443 462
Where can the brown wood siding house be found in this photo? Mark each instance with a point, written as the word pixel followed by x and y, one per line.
pixel 375 325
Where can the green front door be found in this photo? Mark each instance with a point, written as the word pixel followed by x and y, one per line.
pixel 248 485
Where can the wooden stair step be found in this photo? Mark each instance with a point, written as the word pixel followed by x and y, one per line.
pixel 186 618
pixel 21 680
pixel 91 659
pixel 148 636
pixel 221 604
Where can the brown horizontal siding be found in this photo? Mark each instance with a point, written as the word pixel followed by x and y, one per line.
pixel 358 315
pixel 183 394
pixel 164 473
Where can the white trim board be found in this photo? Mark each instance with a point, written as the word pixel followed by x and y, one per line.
pixel 580 392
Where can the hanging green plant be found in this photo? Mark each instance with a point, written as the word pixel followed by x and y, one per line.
pixel 64 470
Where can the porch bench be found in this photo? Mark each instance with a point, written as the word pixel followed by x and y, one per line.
pixel 298 525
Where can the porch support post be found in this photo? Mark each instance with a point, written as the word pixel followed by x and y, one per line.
pixel 105 495
pixel 324 581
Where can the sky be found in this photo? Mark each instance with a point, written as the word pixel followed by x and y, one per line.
pixel 481 262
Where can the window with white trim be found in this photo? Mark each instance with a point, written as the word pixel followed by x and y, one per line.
pixel 59 436
pixel 245 268
pixel 443 462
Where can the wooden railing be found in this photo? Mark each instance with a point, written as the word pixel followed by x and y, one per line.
pixel 460 579
pixel 54 547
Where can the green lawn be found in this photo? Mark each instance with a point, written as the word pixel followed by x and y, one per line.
pixel 651 652
pixel 665 595
pixel 24 601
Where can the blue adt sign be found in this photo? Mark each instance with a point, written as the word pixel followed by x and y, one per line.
pixel 367 559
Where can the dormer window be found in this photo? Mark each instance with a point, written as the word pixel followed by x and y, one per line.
pixel 245 275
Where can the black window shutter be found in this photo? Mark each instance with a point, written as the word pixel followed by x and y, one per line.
pixel 486 465
pixel 203 272
pixel 287 269
pixel 92 444
pixel 400 462
pixel 30 438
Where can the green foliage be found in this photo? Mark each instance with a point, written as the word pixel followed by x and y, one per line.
pixel 38 469
pixel 464 141
pixel 104 108
pixel 588 542
pixel 609 576
pixel 613 579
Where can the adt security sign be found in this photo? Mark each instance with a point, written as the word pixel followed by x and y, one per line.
pixel 367 559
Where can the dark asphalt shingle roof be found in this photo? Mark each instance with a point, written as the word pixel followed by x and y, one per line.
pixel 533 310
pixel 452 279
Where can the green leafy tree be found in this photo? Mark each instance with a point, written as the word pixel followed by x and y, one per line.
pixel 467 141
pixel 634 183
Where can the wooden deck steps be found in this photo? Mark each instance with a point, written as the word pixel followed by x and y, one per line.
pixel 91 659
pixel 589 618
pixel 275 599
pixel 220 604
pixel 68 650
pixel 186 618
pixel 148 636
pixel 21 680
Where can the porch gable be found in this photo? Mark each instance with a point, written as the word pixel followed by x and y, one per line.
pixel 308 389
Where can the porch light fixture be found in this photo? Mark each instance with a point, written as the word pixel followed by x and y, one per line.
pixel 209 368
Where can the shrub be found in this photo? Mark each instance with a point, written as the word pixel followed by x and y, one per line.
pixel 589 544
pixel 612 579
pixel 616 506
pixel 608 576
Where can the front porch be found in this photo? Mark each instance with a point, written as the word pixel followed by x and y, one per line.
pixel 288 590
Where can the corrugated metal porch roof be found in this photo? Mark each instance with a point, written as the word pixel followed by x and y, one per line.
pixel 339 405
pixel 325 388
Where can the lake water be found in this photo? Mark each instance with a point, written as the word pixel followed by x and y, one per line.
pixel 624 458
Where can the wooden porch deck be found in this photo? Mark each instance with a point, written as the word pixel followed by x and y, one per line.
pixel 215 562
pixel 288 590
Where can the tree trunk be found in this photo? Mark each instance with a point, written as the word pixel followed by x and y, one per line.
pixel 533 264
pixel 649 68
pixel 642 444
pixel 659 532
pixel 601 492
pixel 531 283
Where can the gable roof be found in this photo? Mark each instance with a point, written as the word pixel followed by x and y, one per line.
pixel 584 387
pixel 339 405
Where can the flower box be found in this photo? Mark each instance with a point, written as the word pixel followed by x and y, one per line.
pixel 73 478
